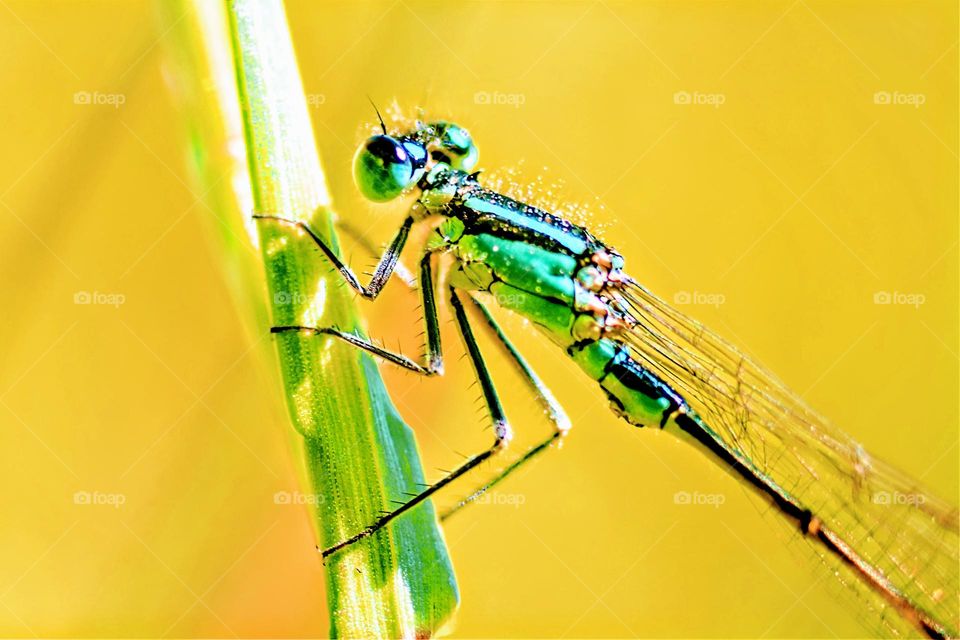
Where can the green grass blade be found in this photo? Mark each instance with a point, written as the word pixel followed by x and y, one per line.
pixel 360 457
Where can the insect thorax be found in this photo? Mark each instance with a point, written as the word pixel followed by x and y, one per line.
pixel 572 297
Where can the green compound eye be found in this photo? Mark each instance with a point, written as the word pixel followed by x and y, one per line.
pixel 385 166
pixel 456 147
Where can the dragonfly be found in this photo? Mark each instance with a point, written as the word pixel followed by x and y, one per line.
pixel 659 369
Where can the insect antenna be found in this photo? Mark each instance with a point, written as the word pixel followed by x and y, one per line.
pixel 379 117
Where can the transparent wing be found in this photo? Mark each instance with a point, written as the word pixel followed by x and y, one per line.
pixel 905 534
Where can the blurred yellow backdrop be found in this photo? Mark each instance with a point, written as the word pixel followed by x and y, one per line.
pixel 773 167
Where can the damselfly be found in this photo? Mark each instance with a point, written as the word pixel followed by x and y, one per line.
pixel 659 369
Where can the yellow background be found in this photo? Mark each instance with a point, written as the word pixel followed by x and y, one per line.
pixel 796 200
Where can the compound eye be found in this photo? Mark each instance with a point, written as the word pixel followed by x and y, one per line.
pixel 383 168
pixel 459 146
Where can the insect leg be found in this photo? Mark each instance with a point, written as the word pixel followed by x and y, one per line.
pixel 553 409
pixel 385 267
pixel 400 270
pixel 434 356
pixel 502 431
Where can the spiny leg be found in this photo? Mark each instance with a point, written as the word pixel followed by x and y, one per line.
pixel 434 355
pixel 400 270
pixel 558 417
pixel 501 427
pixel 385 267
pixel 553 409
